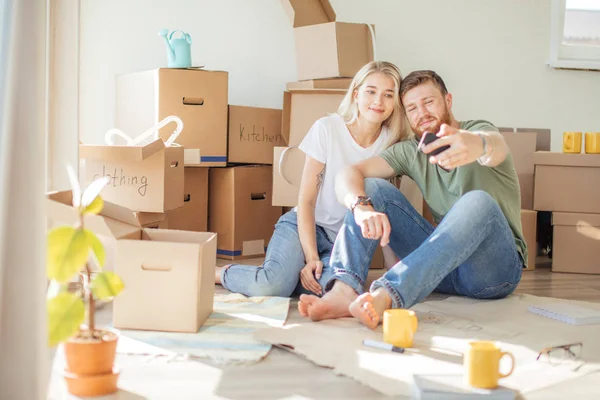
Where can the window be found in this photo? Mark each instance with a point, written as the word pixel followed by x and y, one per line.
pixel 575 34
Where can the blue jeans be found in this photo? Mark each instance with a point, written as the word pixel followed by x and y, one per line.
pixel 472 252
pixel 279 275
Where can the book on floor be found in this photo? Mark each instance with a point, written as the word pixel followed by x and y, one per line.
pixel 567 312
pixel 450 387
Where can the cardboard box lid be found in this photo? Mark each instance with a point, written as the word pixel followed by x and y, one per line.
pixel 333 83
pixel 113 221
pixel 120 153
pixel 576 219
pixel 308 12
pixel 567 160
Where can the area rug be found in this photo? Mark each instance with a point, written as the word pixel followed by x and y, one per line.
pixel 445 328
pixel 225 337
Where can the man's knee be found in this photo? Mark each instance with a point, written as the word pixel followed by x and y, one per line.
pixel 480 201
pixel 380 191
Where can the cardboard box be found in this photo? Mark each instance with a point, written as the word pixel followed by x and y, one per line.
pixel 529 224
pixel 287 174
pixel 543 137
pixel 335 83
pixel 142 178
pixel 240 210
pixel 576 243
pixel 325 48
pixel 567 182
pixel 253 132
pixel 302 108
pixel 193 215
pixel 180 266
pixel 153 220
pixel 522 146
pixel 169 281
pixel 198 97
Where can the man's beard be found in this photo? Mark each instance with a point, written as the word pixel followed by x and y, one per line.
pixel 445 119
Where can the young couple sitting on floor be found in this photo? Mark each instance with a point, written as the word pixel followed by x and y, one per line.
pixel 346 207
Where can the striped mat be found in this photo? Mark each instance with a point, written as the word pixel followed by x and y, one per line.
pixel 225 337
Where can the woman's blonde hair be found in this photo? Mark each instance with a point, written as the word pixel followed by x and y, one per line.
pixel 396 123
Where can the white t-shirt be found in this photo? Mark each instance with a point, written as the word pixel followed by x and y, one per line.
pixel 329 141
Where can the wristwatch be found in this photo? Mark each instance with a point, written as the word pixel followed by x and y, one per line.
pixel 361 200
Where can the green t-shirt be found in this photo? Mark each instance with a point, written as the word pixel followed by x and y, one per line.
pixel 441 189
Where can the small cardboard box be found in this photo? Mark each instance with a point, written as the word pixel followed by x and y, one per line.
pixel 253 132
pixel 576 243
pixel 169 281
pixel 193 215
pixel 240 210
pixel 522 146
pixel 325 48
pixel 198 97
pixel 287 173
pixel 302 108
pixel 529 224
pixel 153 220
pixel 567 182
pixel 142 178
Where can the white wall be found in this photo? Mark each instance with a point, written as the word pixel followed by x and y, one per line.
pixel 491 54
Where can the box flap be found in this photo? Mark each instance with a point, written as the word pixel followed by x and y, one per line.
pixel 576 219
pixel 308 12
pixel 567 160
pixel 120 153
pixel 113 221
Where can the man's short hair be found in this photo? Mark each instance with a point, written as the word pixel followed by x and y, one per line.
pixel 417 78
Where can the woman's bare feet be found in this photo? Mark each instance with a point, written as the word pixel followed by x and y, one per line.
pixel 218 271
pixel 368 308
pixel 334 304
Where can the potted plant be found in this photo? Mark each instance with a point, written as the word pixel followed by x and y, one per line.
pixel 74 251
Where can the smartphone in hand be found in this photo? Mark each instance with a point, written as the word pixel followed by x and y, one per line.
pixel 429 137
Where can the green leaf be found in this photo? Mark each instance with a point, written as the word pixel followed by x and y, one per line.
pixel 96 245
pixel 65 314
pixel 106 285
pixel 68 251
pixel 95 206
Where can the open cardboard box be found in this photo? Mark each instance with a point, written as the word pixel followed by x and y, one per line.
pixel 326 48
pixel 169 275
pixel 142 178
pixel 198 97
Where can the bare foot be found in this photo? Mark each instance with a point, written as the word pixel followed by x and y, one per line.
pixel 334 304
pixel 368 308
pixel 218 273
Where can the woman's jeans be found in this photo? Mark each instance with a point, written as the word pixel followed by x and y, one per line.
pixel 279 275
pixel 472 252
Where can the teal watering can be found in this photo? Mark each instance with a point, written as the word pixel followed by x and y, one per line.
pixel 178 50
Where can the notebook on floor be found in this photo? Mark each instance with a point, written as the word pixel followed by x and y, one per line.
pixel 450 387
pixel 567 312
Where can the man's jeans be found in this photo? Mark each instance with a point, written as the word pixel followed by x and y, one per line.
pixel 472 252
pixel 279 275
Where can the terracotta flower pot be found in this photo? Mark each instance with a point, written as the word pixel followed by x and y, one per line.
pixel 90 365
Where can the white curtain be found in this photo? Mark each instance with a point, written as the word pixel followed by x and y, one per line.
pixel 24 356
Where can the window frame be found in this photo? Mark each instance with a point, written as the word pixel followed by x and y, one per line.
pixel 568 56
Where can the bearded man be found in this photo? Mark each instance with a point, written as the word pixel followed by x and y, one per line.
pixel 477 247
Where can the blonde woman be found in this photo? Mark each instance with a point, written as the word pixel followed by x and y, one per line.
pixel 369 120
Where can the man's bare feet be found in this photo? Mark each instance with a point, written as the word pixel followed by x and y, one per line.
pixel 218 273
pixel 368 308
pixel 334 304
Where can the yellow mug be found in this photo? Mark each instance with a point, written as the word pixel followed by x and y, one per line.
pixel 572 142
pixel 482 364
pixel 592 142
pixel 399 327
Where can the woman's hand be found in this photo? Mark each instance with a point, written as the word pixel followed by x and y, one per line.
pixel 312 270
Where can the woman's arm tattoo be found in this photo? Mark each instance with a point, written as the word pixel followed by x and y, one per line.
pixel 320 178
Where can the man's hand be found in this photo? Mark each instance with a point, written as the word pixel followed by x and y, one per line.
pixel 373 225
pixel 465 147
pixel 312 270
